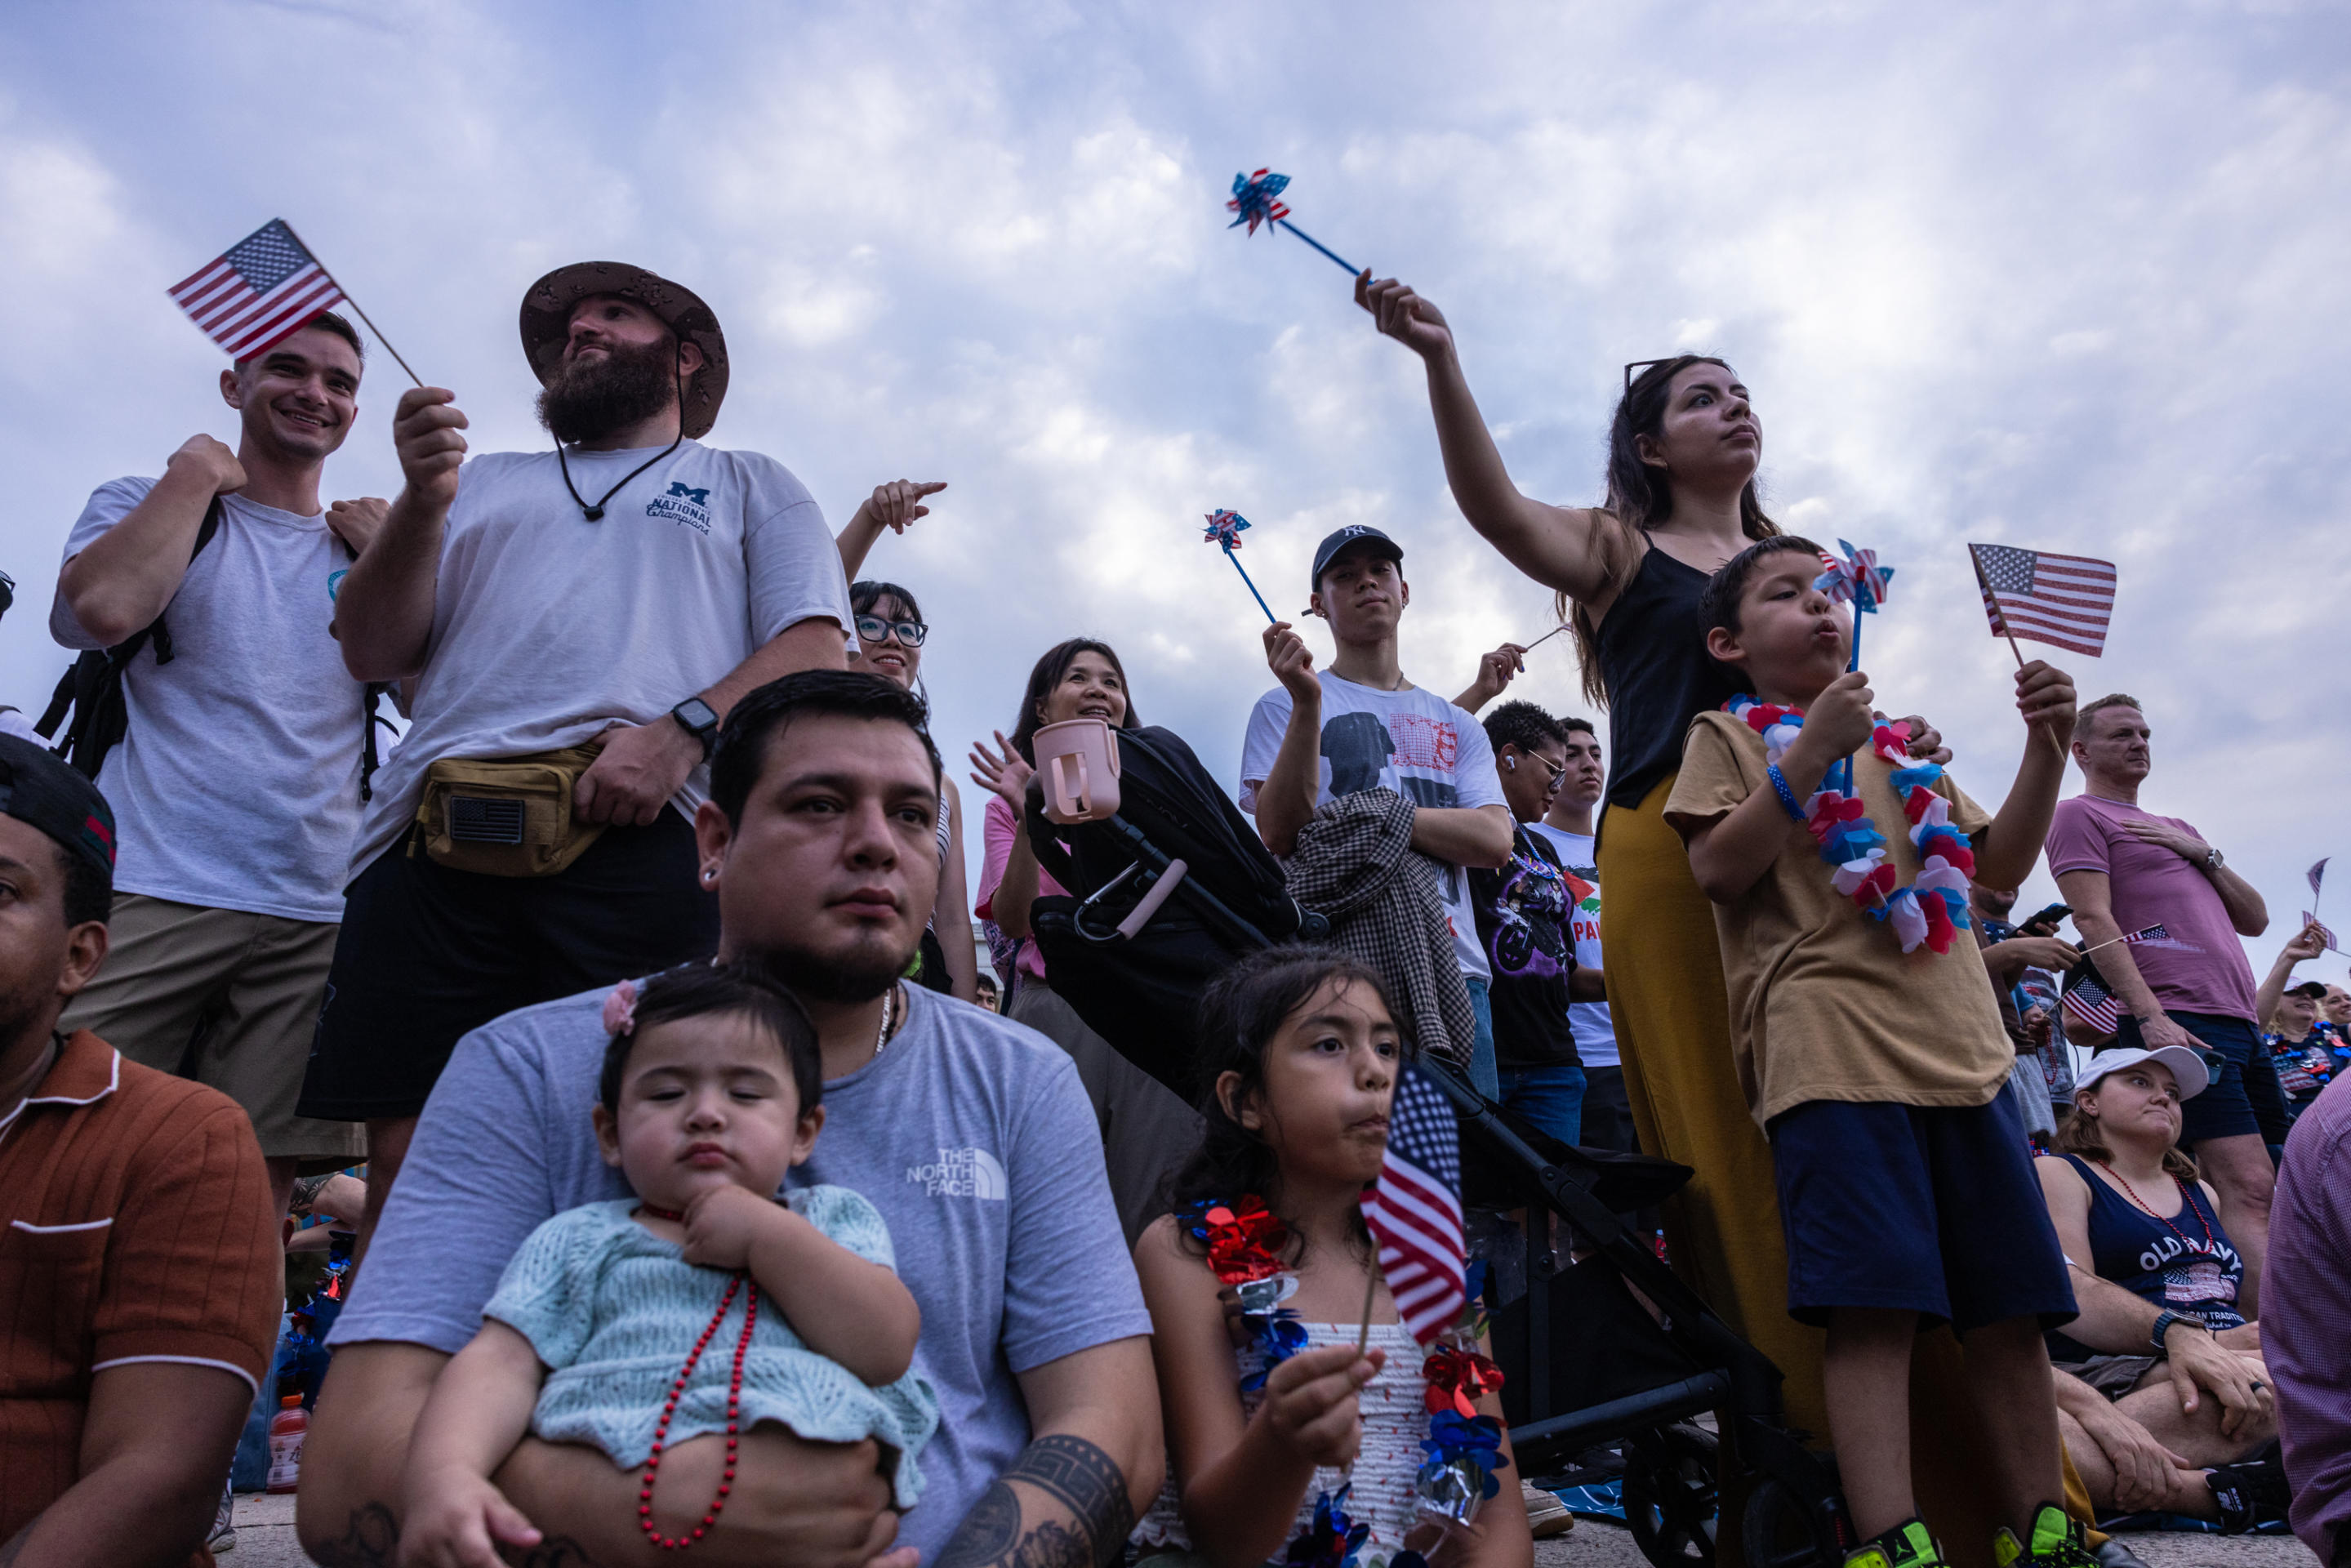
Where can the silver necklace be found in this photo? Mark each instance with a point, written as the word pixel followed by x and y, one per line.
pixel 889 1007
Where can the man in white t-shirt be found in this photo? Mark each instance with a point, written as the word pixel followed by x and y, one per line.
pixel 1567 825
pixel 613 596
pixel 235 785
pixel 1360 725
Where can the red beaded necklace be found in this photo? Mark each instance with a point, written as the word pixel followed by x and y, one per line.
pixel 669 1407
pixel 2186 1201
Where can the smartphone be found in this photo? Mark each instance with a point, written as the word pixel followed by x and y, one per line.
pixel 2044 923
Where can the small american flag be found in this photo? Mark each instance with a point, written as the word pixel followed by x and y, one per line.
pixel 1414 1210
pixel 264 290
pixel 2063 600
pixel 2325 935
pixel 2087 1000
pixel 2146 933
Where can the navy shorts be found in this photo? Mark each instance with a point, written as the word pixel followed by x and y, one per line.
pixel 2243 1098
pixel 1928 1209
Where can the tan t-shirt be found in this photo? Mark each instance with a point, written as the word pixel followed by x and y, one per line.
pixel 1824 1005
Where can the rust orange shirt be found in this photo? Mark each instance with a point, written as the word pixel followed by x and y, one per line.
pixel 134 1226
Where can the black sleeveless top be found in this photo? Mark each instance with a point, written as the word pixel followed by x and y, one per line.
pixel 1652 650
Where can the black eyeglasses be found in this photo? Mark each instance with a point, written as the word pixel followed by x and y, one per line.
pixel 873 628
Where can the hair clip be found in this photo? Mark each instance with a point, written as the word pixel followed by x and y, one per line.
pixel 621 1010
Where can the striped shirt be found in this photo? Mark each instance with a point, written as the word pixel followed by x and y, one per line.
pixel 135 1227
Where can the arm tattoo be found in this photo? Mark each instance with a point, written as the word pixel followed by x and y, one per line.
pixel 373 1541
pixel 1072 1472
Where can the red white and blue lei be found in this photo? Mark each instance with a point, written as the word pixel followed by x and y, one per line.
pixel 1932 910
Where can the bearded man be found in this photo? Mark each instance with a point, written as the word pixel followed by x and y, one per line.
pixel 576 624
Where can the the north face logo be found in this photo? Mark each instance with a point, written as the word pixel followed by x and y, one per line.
pixel 962 1173
pixel 683 504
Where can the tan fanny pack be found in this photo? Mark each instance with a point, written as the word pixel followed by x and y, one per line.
pixel 505 816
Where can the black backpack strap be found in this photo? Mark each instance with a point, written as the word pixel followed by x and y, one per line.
pixel 93 688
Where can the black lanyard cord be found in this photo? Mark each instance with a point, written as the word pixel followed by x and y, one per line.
pixel 595 514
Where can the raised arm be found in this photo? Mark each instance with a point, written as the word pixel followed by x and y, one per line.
pixel 1729 855
pixel 1092 1467
pixel 2306 944
pixel 1464 835
pixel 951 917
pixel 126 575
pixel 155 1442
pixel 383 611
pixel 2007 851
pixel 890 506
pixel 1559 546
pixel 1286 796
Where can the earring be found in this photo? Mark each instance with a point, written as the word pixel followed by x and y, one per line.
pixel 710 873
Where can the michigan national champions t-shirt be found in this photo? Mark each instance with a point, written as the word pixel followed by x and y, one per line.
pixel 1413 742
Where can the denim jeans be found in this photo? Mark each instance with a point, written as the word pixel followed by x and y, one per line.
pixel 1551 1098
pixel 1481 1058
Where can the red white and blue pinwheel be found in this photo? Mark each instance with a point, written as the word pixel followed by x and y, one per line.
pixel 1257 199
pixel 1225 529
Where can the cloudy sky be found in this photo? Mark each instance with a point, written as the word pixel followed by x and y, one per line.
pixel 2063 276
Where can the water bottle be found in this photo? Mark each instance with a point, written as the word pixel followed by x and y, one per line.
pixel 287 1430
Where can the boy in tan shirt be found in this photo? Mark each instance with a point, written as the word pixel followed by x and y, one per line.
pixel 1870 1049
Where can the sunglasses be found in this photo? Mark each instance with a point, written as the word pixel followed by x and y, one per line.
pixel 910 633
pixel 1643 365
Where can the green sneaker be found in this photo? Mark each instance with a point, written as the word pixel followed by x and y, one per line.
pixel 2057 1542
pixel 1906 1545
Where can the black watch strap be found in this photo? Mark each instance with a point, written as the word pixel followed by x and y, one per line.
pixel 698 719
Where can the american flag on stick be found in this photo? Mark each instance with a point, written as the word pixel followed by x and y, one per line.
pixel 261 291
pixel 1414 1210
pixel 2063 600
pixel 2087 1000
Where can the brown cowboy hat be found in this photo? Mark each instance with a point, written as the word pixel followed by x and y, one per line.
pixel 547 324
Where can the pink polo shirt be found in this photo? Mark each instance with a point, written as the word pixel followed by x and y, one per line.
pixel 2150 885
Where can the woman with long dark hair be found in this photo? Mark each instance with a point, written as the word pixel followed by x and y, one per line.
pixel 1147 1129
pixel 1683 450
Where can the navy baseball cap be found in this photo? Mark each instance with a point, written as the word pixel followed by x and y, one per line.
pixel 1352 534
pixel 43 792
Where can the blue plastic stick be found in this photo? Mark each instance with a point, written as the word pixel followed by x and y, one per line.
pixel 1842 776
pixel 1318 244
pixel 1271 617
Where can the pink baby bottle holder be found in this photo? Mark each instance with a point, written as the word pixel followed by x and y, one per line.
pixel 1077 768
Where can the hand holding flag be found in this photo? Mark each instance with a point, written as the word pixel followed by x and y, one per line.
pixel 1860 582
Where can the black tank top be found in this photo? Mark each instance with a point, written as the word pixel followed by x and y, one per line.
pixel 1652 650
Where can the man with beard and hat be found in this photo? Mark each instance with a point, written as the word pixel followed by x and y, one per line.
pixel 576 623
pixel 969 1132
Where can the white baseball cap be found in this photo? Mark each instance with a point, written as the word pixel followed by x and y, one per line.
pixel 2188 1069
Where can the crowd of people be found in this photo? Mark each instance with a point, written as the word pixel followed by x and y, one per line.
pixel 713 1194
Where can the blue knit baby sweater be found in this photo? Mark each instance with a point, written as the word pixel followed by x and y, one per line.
pixel 613 1310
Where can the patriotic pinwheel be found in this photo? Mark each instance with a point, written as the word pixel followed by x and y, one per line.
pixel 1257 199
pixel 1225 529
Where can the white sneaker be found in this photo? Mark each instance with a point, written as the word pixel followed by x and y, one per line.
pixel 1546 1515
pixel 224 1534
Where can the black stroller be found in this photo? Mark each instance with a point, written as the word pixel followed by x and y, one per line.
pixel 1612 1349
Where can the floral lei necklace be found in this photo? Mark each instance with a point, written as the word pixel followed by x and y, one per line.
pixel 1245 1243
pixel 1932 910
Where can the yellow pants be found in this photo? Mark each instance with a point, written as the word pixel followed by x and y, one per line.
pixel 1673 1024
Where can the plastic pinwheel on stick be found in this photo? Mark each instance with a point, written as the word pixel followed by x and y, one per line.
pixel 1257 199
pixel 1860 582
pixel 1225 529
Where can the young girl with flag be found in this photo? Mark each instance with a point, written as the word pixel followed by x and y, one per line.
pixel 1296 1433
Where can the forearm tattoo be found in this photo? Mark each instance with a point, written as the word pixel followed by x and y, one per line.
pixel 373 1541
pixel 1075 1474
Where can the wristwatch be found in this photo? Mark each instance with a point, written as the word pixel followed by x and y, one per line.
pixel 698 719
pixel 2163 1322
pixel 2214 858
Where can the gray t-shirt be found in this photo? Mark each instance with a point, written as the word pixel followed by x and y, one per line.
pixel 236 785
pixel 970 1134
pixel 548 629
